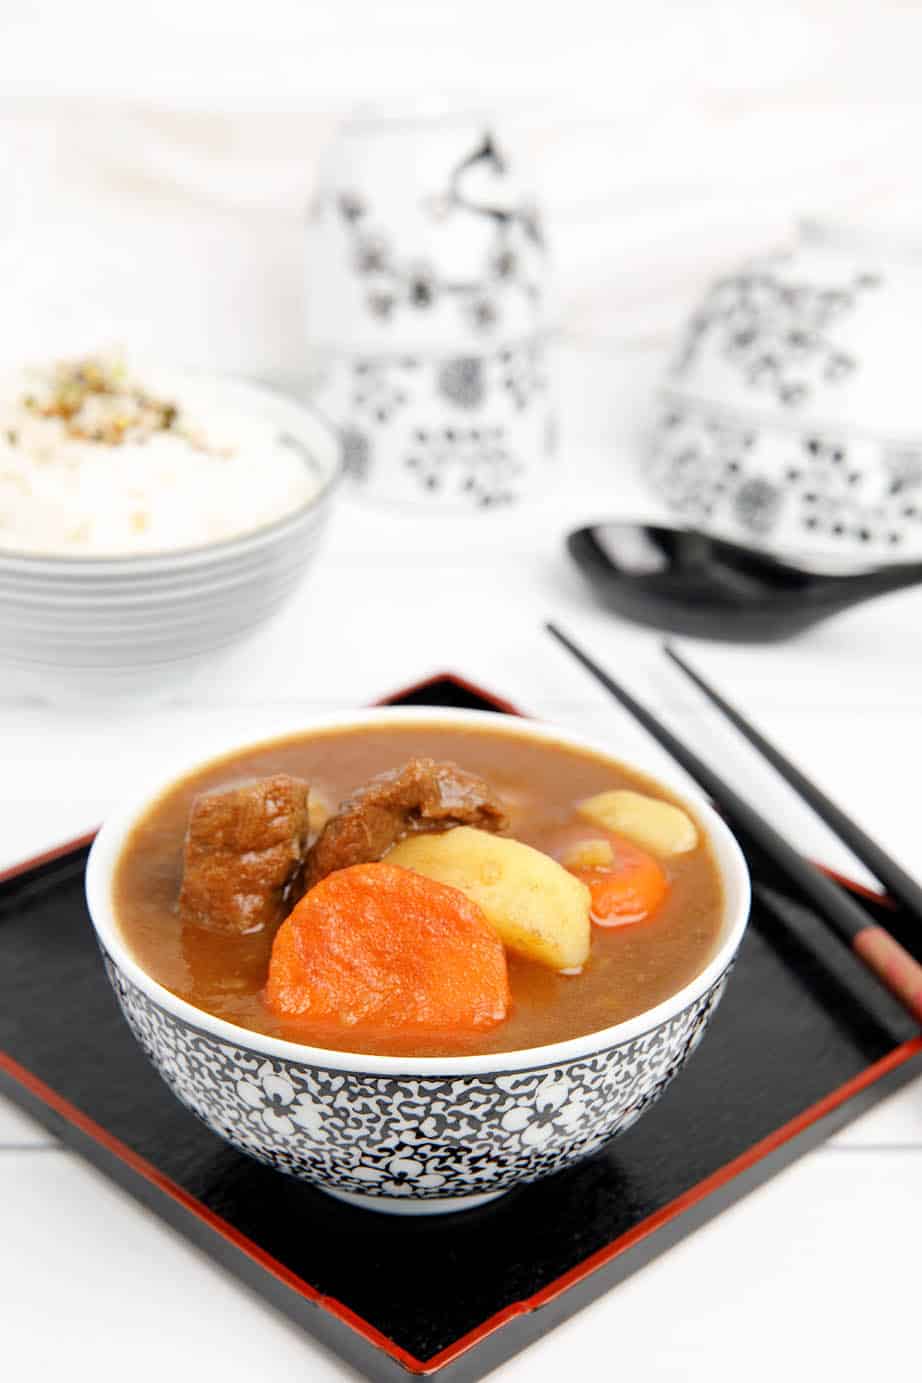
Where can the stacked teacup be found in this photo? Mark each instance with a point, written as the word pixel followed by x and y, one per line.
pixel 426 321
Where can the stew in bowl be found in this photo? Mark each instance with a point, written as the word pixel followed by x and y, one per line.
pixel 408 893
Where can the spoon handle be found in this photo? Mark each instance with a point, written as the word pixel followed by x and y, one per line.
pixel 890 578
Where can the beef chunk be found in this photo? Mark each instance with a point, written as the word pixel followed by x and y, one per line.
pixel 421 796
pixel 244 853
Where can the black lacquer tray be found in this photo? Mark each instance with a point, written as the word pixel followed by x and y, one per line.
pixel 803 1042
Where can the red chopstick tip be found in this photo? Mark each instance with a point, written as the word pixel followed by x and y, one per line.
pixel 893 964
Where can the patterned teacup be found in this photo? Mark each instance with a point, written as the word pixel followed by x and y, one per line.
pixel 414 1135
pixel 790 417
pixel 426 314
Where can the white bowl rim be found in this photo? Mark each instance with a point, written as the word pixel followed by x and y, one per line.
pixel 320 436
pixel 112 835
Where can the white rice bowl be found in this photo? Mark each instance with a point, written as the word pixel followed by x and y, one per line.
pixel 66 496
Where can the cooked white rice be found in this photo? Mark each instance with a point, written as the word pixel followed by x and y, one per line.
pixel 223 474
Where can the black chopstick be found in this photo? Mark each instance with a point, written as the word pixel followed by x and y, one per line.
pixel 898 883
pixel 893 965
pixel 796 928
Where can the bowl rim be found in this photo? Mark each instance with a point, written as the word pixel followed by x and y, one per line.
pixel 107 848
pixel 320 436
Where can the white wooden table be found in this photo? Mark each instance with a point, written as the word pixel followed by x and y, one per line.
pixel 815 1274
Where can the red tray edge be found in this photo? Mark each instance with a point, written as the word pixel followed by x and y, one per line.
pixel 877 1071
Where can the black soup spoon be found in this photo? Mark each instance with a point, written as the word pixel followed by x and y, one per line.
pixel 686 582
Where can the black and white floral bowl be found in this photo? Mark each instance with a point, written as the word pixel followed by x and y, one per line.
pixel 789 417
pixel 423 1135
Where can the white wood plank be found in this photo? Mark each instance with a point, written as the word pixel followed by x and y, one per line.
pixel 810 1238
pixel 125 1291
pixel 785 1284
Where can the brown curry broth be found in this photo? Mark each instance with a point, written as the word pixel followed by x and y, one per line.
pixel 630 968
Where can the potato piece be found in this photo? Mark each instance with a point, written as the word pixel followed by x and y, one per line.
pixel 648 821
pixel 319 812
pixel 538 909
pixel 589 854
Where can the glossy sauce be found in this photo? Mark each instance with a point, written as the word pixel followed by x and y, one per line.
pixel 630 969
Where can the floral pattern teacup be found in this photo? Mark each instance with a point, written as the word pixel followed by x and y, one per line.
pixel 790 416
pixel 426 315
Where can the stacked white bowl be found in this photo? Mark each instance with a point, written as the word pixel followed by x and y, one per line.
pixel 93 625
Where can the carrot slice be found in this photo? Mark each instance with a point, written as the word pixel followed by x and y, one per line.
pixel 378 947
pixel 630 891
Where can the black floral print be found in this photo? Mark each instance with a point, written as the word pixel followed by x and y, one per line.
pixel 779 333
pixel 355 451
pixel 381 304
pixel 512 263
pixel 523 372
pixel 438 1136
pixel 379 388
pixel 698 460
pixel 709 465
pixel 351 207
pixel 757 504
pixel 462 381
pixel 472 453
pixel 482 313
pixel 371 254
pixel 422 287
pixel 903 466
pixel 474 464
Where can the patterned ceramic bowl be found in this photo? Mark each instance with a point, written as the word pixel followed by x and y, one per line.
pixel 791 416
pixel 414 1136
